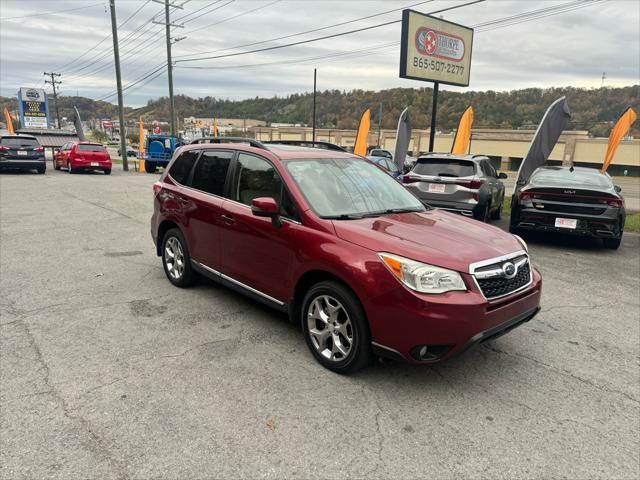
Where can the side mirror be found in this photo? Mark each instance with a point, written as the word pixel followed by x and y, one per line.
pixel 618 188
pixel 266 207
pixel 502 175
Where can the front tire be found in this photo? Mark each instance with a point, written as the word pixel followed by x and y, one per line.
pixel 70 169
pixel 176 259
pixel 335 328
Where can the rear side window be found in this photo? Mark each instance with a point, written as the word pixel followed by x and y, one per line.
pixel 210 174
pixel 444 167
pixel 181 168
pixel 17 142
pixel 83 147
pixel 256 178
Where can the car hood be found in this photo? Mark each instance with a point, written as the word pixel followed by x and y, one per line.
pixel 436 237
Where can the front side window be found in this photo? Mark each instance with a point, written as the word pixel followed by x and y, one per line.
pixel 256 178
pixel 350 188
pixel 182 166
pixel 210 174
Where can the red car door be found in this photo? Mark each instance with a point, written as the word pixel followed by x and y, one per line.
pixel 204 206
pixel 253 251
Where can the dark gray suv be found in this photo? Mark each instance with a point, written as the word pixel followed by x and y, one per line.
pixel 21 152
pixel 467 184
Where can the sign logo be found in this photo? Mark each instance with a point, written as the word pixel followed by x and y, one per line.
pixel 570 192
pixel 509 270
pixel 32 94
pixel 438 44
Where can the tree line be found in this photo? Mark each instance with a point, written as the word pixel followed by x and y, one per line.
pixel 594 110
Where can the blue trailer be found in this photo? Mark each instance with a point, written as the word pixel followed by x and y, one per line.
pixel 158 151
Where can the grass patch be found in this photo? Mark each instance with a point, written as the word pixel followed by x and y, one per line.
pixel 631 224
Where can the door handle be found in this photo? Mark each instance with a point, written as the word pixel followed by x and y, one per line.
pixel 228 219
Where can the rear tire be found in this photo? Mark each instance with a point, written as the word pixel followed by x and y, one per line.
pixel 107 171
pixel 483 214
pixel 41 170
pixel 335 328
pixel 176 259
pixel 612 243
pixel 150 167
pixel 498 213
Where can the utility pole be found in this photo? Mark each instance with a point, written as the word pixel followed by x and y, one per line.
pixel 53 82
pixel 379 124
pixel 168 25
pixel 116 56
pixel 604 75
pixel 313 124
pixel 434 109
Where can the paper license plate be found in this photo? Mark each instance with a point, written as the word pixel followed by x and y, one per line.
pixel 95 164
pixel 436 188
pixel 566 222
pixel 21 152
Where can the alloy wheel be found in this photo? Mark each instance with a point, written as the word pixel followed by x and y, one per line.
pixel 330 328
pixel 174 258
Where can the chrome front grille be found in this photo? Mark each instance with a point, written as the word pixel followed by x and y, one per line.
pixel 499 277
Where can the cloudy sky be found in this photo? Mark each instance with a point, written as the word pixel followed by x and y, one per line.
pixel 571 42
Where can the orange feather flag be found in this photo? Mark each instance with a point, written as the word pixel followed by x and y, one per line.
pixel 618 132
pixel 141 141
pixel 360 147
pixel 463 134
pixel 9 122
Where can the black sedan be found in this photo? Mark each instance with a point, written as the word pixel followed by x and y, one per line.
pixel 578 201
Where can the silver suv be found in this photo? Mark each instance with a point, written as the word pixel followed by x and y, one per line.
pixel 467 184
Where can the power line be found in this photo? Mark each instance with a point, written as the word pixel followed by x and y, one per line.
pixel 234 16
pixel 198 10
pixel 307 31
pixel 317 39
pixel 68 64
pixel 55 12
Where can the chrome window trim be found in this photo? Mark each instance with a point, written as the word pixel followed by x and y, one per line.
pixel 236 282
pixel 247 206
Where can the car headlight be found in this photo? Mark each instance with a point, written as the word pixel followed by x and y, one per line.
pixel 522 242
pixel 422 277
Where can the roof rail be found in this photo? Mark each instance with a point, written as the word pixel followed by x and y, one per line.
pixel 250 141
pixel 308 143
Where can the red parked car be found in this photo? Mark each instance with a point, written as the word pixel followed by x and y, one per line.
pixel 78 156
pixel 350 254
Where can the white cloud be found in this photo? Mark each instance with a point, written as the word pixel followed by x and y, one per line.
pixel 572 48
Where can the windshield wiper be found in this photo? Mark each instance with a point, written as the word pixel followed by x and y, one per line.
pixel 344 216
pixel 404 210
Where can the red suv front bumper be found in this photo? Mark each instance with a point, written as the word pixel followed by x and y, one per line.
pixel 403 321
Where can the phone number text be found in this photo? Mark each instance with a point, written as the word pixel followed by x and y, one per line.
pixel 438 66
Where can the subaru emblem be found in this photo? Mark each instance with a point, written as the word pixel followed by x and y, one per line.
pixel 509 270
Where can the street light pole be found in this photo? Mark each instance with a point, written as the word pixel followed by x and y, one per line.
pixel 313 135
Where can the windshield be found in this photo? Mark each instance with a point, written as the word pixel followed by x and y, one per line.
pixel 350 188
pixel 444 167
pixel 16 142
pixel 564 177
pixel 84 147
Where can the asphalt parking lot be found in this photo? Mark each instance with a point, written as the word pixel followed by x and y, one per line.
pixel 108 371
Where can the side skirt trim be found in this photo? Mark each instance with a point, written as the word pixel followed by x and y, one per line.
pixel 232 282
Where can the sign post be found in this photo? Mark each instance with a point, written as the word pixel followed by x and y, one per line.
pixel 434 50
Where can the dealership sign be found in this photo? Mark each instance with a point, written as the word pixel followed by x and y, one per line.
pixel 434 50
pixel 34 108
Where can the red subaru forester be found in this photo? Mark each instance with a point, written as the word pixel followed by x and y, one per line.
pixel 343 248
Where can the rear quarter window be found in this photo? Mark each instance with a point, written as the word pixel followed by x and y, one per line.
pixel 444 167
pixel 182 166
